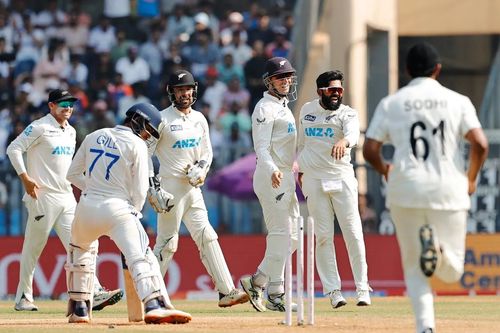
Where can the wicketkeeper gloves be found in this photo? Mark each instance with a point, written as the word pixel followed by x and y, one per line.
pixel 197 173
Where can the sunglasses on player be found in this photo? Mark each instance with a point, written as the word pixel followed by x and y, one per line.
pixel 66 104
pixel 331 90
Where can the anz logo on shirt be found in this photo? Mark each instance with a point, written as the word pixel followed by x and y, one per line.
pixel 63 150
pixel 187 143
pixel 291 128
pixel 319 132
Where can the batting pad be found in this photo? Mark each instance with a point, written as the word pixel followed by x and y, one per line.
pixel 80 269
pixel 148 280
pixel 214 261
pixel 165 252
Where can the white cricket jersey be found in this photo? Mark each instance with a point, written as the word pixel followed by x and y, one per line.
pixel 319 130
pixel 184 139
pixel 115 163
pixel 49 148
pixel 274 134
pixel 426 123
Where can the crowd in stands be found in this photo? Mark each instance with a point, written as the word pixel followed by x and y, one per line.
pixel 110 63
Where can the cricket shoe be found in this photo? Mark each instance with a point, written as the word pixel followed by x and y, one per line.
pixel 363 298
pixel 336 299
pixel 80 313
pixel 430 255
pixel 104 297
pixel 277 303
pixel 254 293
pixel 25 305
pixel 236 296
pixel 157 314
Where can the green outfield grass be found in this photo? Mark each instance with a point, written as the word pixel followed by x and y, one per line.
pixel 479 314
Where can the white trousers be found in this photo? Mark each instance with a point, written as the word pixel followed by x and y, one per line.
pixel 450 227
pixel 48 211
pixel 280 208
pixel 189 207
pixel 342 201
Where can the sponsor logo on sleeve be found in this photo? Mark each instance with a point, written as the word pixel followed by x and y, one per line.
pixel 174 128
pixel 309 117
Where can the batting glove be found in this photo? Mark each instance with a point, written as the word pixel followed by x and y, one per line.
pixel 159 198
pixel 197 173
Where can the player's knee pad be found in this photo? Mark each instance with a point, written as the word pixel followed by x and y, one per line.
pixel 214 261
pixel 148 279
pixel 80 269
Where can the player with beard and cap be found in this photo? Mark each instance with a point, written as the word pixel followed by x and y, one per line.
pixel 185 154
pixel 428 181
pixel 274 136
pixel 327 132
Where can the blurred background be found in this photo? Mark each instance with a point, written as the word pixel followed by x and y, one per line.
pixel 114 53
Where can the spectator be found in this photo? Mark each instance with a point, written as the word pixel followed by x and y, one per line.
pixel 119 50
pixel 132 67
pixel 75 35
pixel 118 12
pixel 117 90
pixel 154 52
pixel 240 51
pixel 102 37
pixel 235 20
pixel 127 101
pixel 47 72
pixel 51 18
pixel 261 32
pixel 201 54
pixel 29 42
pixel 179 25
pixel 101 73
pixel 228 69
pixel 7 33
pixel 214 90
pixel 235 93
pixel 76 71
pixel 254 69
pixel 236 116
pixel 280 47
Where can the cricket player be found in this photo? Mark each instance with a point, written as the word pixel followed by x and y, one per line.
pixel 327 132
pixel 111 168
pixel 49 144
pixel 274 137
pixel 428 188
pixel 185 154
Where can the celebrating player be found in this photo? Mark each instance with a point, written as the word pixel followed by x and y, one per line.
pixel 427 189
pixel 111 169
pixel 49 144
pixel 185 155
pixel 274 136
pixel 328 130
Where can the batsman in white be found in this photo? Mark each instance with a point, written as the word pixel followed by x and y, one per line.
pixel 49 144
pixel 428 188
pixel 185 154
pixel 327 132
pixel 274 136
pixel 111 168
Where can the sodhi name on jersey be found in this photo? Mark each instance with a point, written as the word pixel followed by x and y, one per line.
pixel 187 143
pixel 424 104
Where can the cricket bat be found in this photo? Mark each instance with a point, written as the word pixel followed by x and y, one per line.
pixel 135 308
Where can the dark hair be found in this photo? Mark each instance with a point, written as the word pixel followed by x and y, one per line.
pixel 324 79
pixel 421 60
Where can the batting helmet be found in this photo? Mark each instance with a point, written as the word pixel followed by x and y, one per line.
pixel 280 66
pixel 144 117
pixel 181 78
